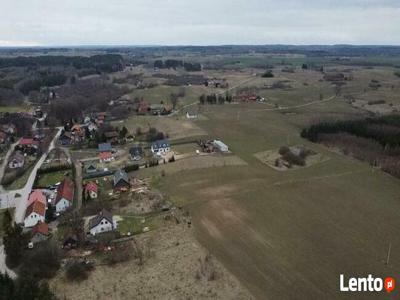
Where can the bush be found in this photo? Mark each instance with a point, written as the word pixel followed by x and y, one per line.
pixel 42 262
pixel 77 270
pixel 293 159
pixel 283 150
pixel 268 74
pixel 130 168
pixel 118 255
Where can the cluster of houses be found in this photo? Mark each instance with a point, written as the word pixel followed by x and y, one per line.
pixel 37 204
pixel 144 108
pixel 25 147
pixel 217 83
pixel 39 200
pixel 76 133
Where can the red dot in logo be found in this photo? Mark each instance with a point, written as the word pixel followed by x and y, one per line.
pixel 389 284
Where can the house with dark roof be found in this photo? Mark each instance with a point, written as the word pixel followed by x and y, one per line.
pixel 160 147
pixel 121 181
pixel 65 138
pixel 103 222
pixel 104 147
pixel 90 167
pixel 136 152
pixel 35 213
pixel 65 195
pixel 16 161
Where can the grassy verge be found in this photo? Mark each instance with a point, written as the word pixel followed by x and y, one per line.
pixel 135 225
pixel 51 178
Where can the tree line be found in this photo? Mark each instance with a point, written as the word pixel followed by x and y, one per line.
pixel 174 64
pixel 385 130
pixel 215 99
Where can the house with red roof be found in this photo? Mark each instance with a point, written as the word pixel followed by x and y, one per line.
pixel 35 213
pixel 106 156
pixel 27 145
pixel 36 195
pixel 91 190
pixel 40 232
pixel 65 195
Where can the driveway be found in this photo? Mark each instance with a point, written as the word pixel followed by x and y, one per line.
pixel 3 267
pixel 4 163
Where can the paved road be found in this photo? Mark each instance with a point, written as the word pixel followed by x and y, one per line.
pixel 4 163
pixel 253 77
pixel 78 184
pixel 8 197
pixel 3 267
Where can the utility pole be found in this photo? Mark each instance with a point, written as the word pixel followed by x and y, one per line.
pixel 388 254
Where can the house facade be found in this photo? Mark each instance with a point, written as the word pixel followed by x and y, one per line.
pixel 136 152
pixel 121 181
pixel 65 195
pixel 160 147
pixel 35 213
pixel 103 222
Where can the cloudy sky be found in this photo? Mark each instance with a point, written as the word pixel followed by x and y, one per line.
pixel 203 22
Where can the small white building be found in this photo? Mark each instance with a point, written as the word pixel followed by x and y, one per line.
pixel 35 213
pixel 103 222
pixel 220 146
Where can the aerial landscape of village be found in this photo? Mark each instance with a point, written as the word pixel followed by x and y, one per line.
pixel 239 170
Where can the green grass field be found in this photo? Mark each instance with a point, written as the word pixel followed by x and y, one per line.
pixel 279 230
pixel 51 178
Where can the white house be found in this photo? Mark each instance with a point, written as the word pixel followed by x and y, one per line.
pixel 35 213
pixel 160 147
pixel 16 161
pixel 65 195
pixel 101 223
pixel 220 146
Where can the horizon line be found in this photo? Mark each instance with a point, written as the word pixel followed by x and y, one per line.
pixel 186 45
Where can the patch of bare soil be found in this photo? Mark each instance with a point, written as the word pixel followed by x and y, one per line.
pixel 177 268
pixel 201 161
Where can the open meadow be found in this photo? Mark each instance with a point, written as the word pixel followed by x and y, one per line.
pixel 289 233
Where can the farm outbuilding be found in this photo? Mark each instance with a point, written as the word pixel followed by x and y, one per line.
pixel 220 146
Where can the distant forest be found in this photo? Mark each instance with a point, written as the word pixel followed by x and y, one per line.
pixel 375 140
pixel 309 50
pixel 103 63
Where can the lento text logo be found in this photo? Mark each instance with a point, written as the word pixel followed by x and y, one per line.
pixel 366 284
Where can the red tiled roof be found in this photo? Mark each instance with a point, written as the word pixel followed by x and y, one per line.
pixel 105 155
pixel 41 228
pixel 91 187
pixel 65 190
pixel 26 141
pixel 37 207
pixel 36 195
